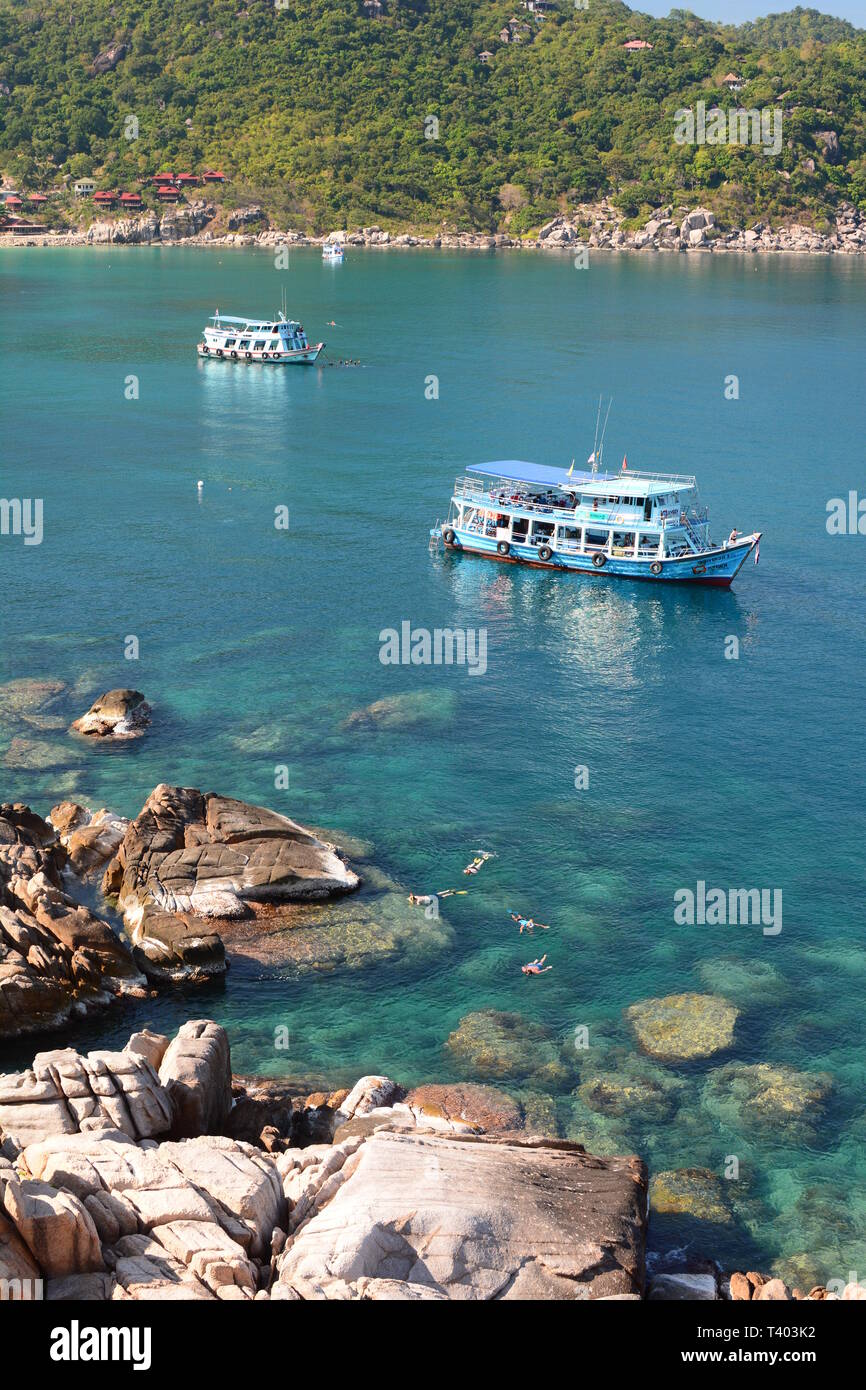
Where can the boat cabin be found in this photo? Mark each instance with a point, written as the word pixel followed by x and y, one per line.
pixel 627 514
pixel 241 335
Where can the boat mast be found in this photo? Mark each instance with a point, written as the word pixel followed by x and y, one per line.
pixel 603 433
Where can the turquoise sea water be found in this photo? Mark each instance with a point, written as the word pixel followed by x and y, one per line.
pixel 256 644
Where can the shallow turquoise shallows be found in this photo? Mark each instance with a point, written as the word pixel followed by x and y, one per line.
pixel 256 644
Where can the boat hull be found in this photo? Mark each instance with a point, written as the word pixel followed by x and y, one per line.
pixel 304 357
pixel 715 568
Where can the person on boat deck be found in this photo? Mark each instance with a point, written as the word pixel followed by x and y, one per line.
pixel 528 923
pixel 733 536
pixel 534 966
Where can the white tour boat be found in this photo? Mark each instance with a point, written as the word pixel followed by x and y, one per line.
pixel 278 340
pixel 332 251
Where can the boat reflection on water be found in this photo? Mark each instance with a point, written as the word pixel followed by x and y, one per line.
pixel 605 631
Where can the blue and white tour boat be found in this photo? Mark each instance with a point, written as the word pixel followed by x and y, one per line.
pixel 629 524
pixel 278 340
pixel 332 251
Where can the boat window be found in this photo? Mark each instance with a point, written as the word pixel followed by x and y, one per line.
pixel 230 342
pixel 647 509
pixel 244 343
pixel 597 538
pixel 259 344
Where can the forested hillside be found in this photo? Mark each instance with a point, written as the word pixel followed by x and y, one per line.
pixel 320 108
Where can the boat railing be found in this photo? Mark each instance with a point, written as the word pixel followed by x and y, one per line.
pixel 688 479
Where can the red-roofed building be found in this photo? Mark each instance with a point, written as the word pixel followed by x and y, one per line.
pixel 18 227
pixel 14 202
pixel 186 179
pixel 106 198
pixel 130 200
pixel 163 178
pixel 167 193
pixel 636 43
pixel 36 198
pixel 213 176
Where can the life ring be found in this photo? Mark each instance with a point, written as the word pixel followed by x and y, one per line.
pixel 264 357
pixel 656 567
pixel 219 352
pixel 503 547
pixel 699 569
pixel 544 552
pixel 235 356
pixel 248 356
pixel 448 536
pixel 205 349
pixel 599 559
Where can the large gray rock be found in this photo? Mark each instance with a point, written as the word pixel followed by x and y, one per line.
pixel 466 1218
pixel 191 859
pixel 196 1072
pixel 19 1272
pixel 55 1226
pixel 64 1092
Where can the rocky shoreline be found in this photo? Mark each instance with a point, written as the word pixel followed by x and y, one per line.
pixel 106 1160
pixel 594 227
pixel 153 1173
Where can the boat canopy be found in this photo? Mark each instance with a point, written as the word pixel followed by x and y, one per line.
pixel 519 472
pixel 635 483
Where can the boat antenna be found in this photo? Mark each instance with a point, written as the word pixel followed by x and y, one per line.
pixel 604 430
pixel 595 441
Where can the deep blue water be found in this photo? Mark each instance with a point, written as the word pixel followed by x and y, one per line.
pixel 256 644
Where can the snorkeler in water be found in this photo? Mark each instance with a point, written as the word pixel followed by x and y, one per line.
pixel 528 923
pixel 534 966
pixel 480 859
pixel 425 899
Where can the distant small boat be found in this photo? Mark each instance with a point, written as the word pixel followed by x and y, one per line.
pixel 332 251
pixel 630 525
pixel 279 340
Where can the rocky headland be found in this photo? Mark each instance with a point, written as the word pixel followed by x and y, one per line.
pixel 593 227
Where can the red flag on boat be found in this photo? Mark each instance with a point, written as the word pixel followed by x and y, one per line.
pixel 625 463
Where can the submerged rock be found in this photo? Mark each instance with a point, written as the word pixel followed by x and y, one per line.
pixel 38 754
pixel 746 981
pixel 681 1027
pixel 643 1094
pixel 120 714
pixel 405 711
pixel 29 697
pixel 497 1045
pixel 696 1192
pixel 778 1099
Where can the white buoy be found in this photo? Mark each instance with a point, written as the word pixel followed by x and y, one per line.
pixel 199 484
